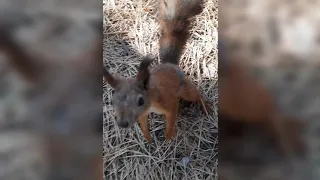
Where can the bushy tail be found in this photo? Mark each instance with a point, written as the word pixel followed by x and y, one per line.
pixel 174 19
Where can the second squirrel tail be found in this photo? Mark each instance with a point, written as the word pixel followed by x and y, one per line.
pixel 174 19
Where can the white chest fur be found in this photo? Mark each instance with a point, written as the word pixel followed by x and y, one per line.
pixel 154 110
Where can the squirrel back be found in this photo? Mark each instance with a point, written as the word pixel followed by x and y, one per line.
pixel 174 19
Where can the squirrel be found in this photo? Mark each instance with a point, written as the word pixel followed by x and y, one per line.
pixel 160 89
pixel 243 99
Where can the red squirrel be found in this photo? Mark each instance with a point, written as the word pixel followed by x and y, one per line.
pixel 160 89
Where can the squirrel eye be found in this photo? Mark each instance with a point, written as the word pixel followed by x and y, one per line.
pixel 140 101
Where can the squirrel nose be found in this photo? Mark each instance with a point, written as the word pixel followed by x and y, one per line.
pixel 123 124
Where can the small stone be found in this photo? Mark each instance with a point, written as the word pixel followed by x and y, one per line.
pixel 185 161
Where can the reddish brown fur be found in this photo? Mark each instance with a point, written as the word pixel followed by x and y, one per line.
pixel 243 98
pixel 165 94
pixel 174 19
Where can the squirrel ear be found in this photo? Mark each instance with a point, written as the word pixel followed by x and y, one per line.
pixel 110 79
pixel 143 72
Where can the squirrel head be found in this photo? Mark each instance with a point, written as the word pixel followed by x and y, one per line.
pixel 131 97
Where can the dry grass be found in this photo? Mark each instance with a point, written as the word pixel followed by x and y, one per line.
pixel 131 31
